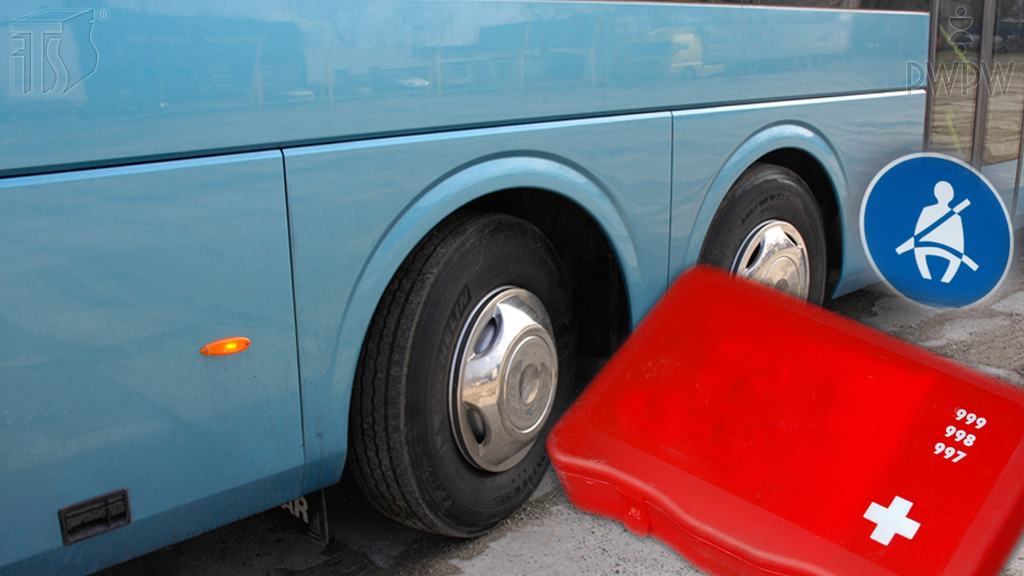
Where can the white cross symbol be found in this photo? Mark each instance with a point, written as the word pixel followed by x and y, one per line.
pixel 892 521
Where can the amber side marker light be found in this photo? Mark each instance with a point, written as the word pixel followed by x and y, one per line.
pixel 226 346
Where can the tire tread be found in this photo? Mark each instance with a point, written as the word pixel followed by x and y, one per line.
pixel 374 443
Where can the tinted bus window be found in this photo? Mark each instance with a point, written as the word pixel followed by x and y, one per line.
pixel 954 77
pixel 1005 84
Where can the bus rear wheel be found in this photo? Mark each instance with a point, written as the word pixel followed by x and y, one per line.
pixel 769 229
pixel 467 364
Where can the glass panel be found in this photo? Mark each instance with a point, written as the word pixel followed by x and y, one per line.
pixel 954 77
pixel 1005 83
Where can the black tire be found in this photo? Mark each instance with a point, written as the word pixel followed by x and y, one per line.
pixel 407 458
pixel 763 194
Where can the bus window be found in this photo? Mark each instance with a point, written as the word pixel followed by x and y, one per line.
pixel 1005 85
pixel 1005 88
pixel 976 89
pixel 954 77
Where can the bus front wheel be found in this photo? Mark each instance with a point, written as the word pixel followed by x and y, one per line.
pixel 467 364
pixel 769 229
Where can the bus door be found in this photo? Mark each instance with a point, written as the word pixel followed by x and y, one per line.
pixel 976 88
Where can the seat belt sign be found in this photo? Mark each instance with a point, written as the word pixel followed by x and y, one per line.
pixel 918 204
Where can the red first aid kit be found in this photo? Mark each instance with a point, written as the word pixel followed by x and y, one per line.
pixel 757 434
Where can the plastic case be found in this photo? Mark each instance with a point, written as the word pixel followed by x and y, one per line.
pixel 757 434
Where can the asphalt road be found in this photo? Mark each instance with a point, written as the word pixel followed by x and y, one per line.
pixel 549 536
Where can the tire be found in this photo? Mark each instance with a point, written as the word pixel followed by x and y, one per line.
pixel 769 229
pixel 426 451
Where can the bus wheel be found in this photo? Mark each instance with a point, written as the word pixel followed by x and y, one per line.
pixel 467 364
pixel 769 229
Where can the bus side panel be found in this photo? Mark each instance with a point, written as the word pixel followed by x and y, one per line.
pixel 851 137
pixel 357 210
pixel 791 53
pixel 158 80
pixel 113 279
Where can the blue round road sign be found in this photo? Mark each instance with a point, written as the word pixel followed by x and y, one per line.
pixel 936 230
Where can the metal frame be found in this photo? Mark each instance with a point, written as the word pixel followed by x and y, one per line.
pixel 933 31
pixel 988 31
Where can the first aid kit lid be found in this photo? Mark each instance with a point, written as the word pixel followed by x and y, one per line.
pixel 759 430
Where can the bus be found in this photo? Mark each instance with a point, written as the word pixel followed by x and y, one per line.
pixel 246 245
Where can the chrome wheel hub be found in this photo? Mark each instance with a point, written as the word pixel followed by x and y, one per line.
pixel 774 253
pixel 503 379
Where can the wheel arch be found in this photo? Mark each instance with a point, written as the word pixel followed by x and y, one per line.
pixel 596 281
pixel 554 196
pixel 806 152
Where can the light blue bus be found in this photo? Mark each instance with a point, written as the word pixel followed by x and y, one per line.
pixel 429 221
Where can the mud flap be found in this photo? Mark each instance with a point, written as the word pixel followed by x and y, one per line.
pixel 307 514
